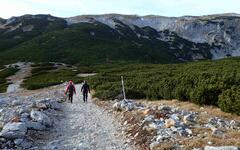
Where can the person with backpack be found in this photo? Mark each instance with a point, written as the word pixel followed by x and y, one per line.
pixel 85 90
pixel 70 91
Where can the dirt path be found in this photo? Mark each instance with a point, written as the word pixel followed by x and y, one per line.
pixel 85 126
pixel 17 79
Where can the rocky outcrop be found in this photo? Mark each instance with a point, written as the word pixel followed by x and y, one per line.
pixel 220 31
pixel 20 115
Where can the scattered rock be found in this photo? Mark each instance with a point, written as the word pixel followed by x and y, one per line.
pixel 117 106
pixel 146 112
pixel 14 130
pixel 169 123
pixel 16 119
pixel 148 119
pixel 165 108
pixel 175 117
pixel 24 143
pixel 154 145
pixel 221 148
pixel 124 105
pixel 216 132
pixel 6 145
pixel 16 102
pixel 24 110
pixel 125 123
pixel 210 142
pixel 189 118
pixel 185 132
pixel 41 118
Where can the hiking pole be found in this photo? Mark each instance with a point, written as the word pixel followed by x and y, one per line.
pixel 123 89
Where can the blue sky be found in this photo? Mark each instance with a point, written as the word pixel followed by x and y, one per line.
pixel 67 8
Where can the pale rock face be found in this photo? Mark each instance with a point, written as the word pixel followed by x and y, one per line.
pixel 27 28
pixel 221 30
pixel 41 118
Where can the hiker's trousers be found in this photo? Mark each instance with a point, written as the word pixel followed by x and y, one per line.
pixel 70 97
pixel 85 96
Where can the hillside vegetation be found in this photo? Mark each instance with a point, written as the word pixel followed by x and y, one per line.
pixel 43 38
pixel 4 73
pixel 204 83
pixel 46 74
pixel 76 45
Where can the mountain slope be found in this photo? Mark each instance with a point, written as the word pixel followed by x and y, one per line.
pixel 222 31
pixel 108 38
pixel 16 30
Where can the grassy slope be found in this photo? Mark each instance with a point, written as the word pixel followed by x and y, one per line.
pixel 45 75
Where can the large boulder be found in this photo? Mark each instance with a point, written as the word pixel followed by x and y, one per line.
pixel 47 104
pixel 221 148
pixel 53 104
pixel 35 126
pixel 14 130
pixel 117 106
pixel 124 105
pixel 40 117
pixel 189 118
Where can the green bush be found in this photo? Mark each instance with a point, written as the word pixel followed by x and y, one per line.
pixel 229 100
pixel 205 96
pixel 198 82
pixel 50 78
pixel 131 93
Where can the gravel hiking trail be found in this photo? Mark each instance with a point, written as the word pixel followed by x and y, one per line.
pixel 84 126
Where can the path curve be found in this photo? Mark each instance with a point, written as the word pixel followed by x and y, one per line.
pixel 17 79
pixel 85 126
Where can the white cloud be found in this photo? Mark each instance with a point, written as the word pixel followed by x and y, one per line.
pixel 66 8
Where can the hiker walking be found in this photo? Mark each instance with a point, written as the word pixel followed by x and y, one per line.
pixel 85 90
pixel 70 91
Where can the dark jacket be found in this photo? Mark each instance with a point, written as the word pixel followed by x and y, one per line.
pixel 85 88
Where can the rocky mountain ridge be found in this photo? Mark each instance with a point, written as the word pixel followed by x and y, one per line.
pixel 154 39
pixel 221 31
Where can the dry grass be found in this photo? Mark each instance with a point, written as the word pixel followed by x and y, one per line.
pixel 165 146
